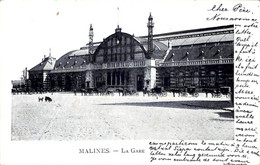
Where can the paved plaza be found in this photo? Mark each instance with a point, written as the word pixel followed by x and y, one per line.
pixel 70 117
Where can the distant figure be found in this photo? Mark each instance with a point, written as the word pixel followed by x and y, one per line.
pixel 144 91
pixel 40 99
pixel 173 93
pixel 48 99
pixel 75 92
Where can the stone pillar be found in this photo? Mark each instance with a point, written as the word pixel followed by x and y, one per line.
pixel 111 78
pixel 89 78
pixel 45 80
pixel 150 74
pixel 63 81
pixel 116 78
pixel 120 81
pixel 104 78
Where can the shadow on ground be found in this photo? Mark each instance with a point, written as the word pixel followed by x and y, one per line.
pixel 192 105
pixel 227 114
pixel 188 105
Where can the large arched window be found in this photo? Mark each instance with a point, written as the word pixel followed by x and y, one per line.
pixel 119 47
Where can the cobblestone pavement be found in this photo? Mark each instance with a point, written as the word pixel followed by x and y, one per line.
pixel 70 117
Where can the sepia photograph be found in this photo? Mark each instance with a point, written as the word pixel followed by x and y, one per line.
pixel 134 83
pixel 111 82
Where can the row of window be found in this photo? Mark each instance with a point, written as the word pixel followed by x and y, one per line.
pixel 120 57
pixel 184 82
pixel 117 78
pixel 114 78
pixel 203 73
pixel 117 50
pixel 123 40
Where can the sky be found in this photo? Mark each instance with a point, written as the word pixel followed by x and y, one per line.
pixel 29 28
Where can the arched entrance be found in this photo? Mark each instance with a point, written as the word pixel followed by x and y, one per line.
pixel 140 82
pixel 52 84
pixel 67 83
pixel 59 79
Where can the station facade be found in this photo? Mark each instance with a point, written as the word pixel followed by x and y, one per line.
pixel 200 58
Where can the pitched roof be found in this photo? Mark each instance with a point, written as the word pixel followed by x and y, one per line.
pixel 203 39
pixel 159 47
pixel 84 50
pixel 71 61
pixel 193 32
pixel 157 44
pixel 198 52
pixel 46 64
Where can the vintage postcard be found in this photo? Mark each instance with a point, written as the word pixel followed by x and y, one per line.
pixel 129 82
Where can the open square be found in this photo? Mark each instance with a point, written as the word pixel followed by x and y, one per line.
pixel 70 117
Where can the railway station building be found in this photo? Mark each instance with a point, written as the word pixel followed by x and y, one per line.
pixel 200 58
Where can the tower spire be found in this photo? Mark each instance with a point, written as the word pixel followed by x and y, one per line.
pixel 91 37
pixel 150 26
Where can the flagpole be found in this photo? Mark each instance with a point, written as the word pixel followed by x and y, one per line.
pixel 118 16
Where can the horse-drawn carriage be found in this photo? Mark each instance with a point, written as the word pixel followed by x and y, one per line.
pixel 185 92
pixel 192 91
pixel 225 91
pixel 157 91
pixel 218 92
pixel 129 92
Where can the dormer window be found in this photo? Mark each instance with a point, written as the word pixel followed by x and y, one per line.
pixel 217 52
pixel 186 54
